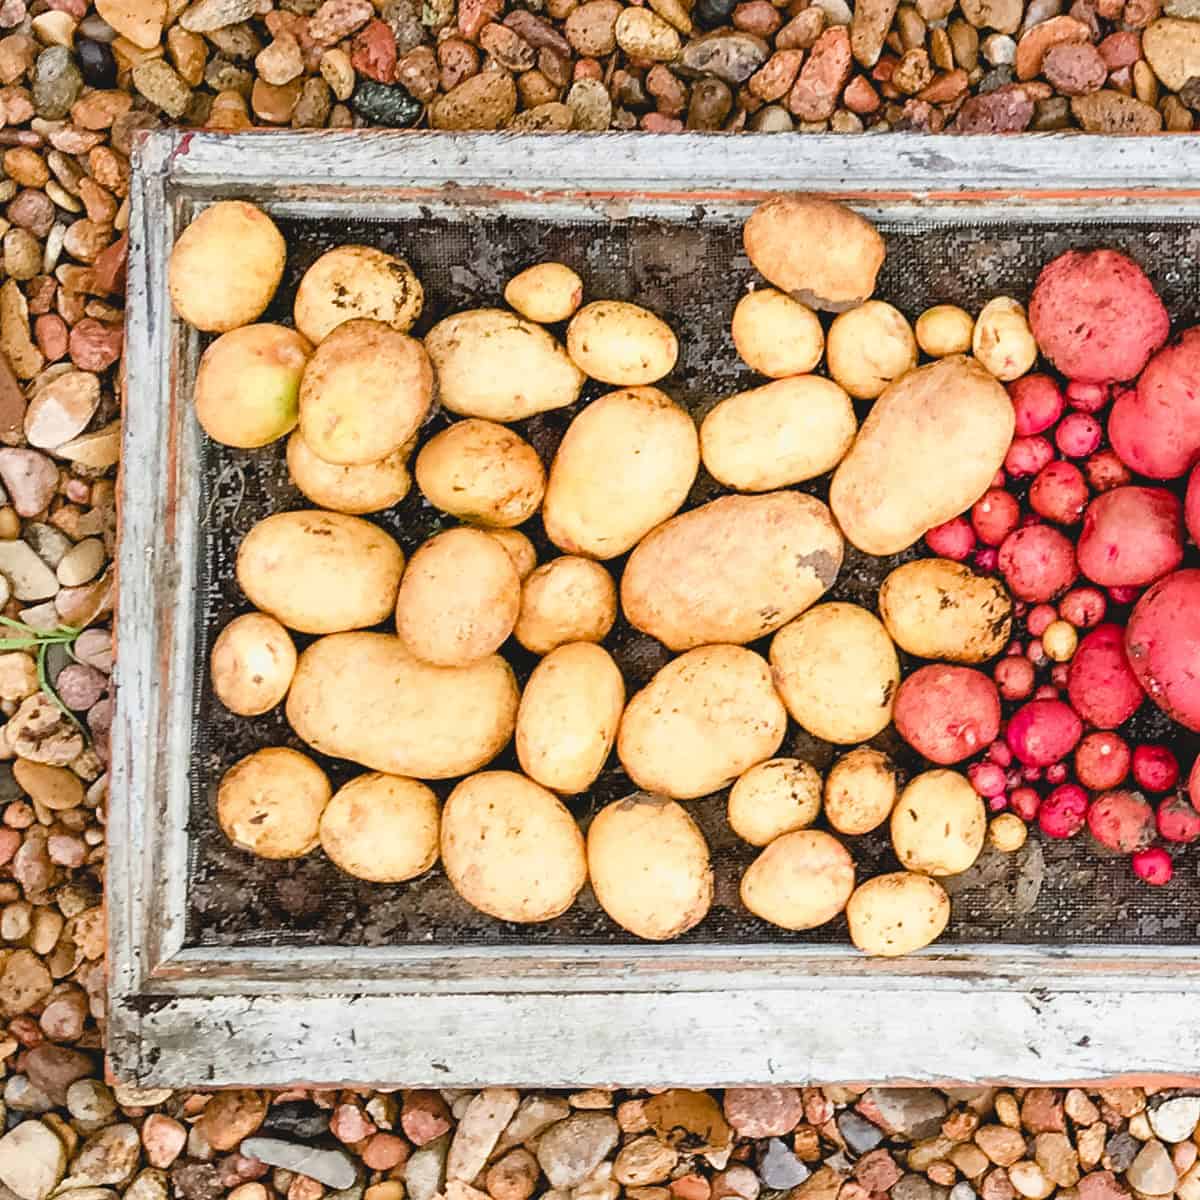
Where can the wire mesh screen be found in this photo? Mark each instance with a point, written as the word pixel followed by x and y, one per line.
pixel 691 270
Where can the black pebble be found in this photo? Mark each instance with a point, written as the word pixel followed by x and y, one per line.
pixel 97 64
pixel 386 105
pixel 297 1119
pixel 709 14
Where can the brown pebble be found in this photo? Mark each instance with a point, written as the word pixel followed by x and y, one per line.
pixel 458 61
pixel 1075 68
pixel 802 30
pixel 759 17
pixel 274 105
pixel 1108 111
pixel 774 79
pixel 815 93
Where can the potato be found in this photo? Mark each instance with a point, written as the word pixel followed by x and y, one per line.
pixel 860 791
pixel 704 718
pixel 459 598
pixel 271 802
pixel 819 252
pixel 869 347
pixel 939 825
pixel 225 266
pixel 511 849
pixel 320 572
pixel 364 697
pixel 783 433
pixel 252 664
pixel 368 488
pixel 897 914
pixel 495 365
pixel 732 570
pixel 773 798
pixel 382 828
pixel 776 335
pixel 519 548
pixel 800 881
pixel 621 343
pixel 935 608
pixel 649 867
pixel 945 329
pixel 350 282
pixel 929 448
pixel 626 463
pixel 481 472
pixel 568 718
pixel 568 599
pixel 546 292
pixel 1002 340
pixel 837 671
pixel 365 392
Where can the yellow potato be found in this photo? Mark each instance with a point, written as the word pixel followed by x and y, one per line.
pixel 511 849
pixel 364 697
pixel 621 343
pixel 939 825
pixel 495 365
pixel 773 798
pixel 252 663
pixel 945 329
pixel 1002 340
pixel 897 914
pixel 783 433
pixel 869 347
pixel 368 488
pixel 518 547
pixel 568 599
pixel 1007 833
pixel 626 463
pixel 649 867
pixel 776 335
pixel 732 570
pixel 929 448
pixel 271 802
pixel 350 282
pixel 800 881
pixel 704 718
pixel 320 572
pixel 568 718
pixel 382 828
pixel 546 292
pixel 860 791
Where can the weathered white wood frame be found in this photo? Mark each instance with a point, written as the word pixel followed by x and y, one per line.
pixel 562 1016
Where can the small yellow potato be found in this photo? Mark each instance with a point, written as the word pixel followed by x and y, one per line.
pixel 773 798
pixel 354 490
pixel 621 343
pixel 350 282
pixel 1059 640
pixel 837 671
pixel 567 599
pixel 939 824
pixel 546 292
pixel 365 392
pixel 252 664
pixel 1002 340
pixel 860 791
pixel 271 802
pixel 459 598
pixel 800 881
pixel 897 914
pixel 945 329
pixel 568 719
pixel 704 719
pixel 382 828
pixel 776 335
pixel 511 849
pixel 518 547
pixel 649 866
pixel 869 347
pixel 779 434
pixel 481 472
pixel 225 266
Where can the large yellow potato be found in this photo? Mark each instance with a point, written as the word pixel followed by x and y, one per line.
pixel 929 448
pixel 782 433
pixel 935 608
pixel 837 671
pixel 1002 340
pixel 621 343
pixel 649 866
pixel 897 914
pixel 545 292
pixel 357 281
pixel 774 798
pixel 704 718
pixel 370 487
pixel 869 347
pixel 776 335
pixel 511 849
pixel 939 825
pixel 568 718
pixel 320 572
pixel 568 599
pixel 364 697
pixel 625 464
pixel 382 828
pixel 494 364
pixel 732 570
pixel 271 802
pixel 252 664
pixel 800 881
pixel 860 791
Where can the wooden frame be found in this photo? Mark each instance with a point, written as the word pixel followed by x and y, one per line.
pixel 561 1016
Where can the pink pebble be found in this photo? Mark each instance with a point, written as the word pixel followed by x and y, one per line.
pixel 1153 866
pixel 10 843
pixel 1078 435
pixel 66 851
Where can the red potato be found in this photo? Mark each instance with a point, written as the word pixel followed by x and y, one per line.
pixel 1014 677
pixel 1106 471
pixel 994 516
pixel 1059 493
pixel 955 539
pixel 1101 684
pixel 1027 456
pixel 1102 761
pixel 1177 819
pixel 1042 732
pixel 1037 403
pixel 1078 435
pixel 1083 606
pixel 1037 563
pixel 1121 820
pixel 1063 813
pixel 1162 641
pixel 1131 536
pixel 947 713
pixel 1191 506
pixel 1086 397
pixel 1153 866
pixel 1155 768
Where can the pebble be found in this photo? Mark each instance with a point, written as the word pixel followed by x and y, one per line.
pixel 779 1168
pixel 53 1069
pixel 57 83
pixel 333 1168
pixel 423 1117
pixel 590 104
pixel 1152 1172
pixel 1108 111
pixel 425 1172
pixel 108 1158
pixel 763 1112
pixel 230 1117
pixel 729 55
pixel 905 1112
pixel 61 409
pixel 515 1176
pixel 572 1149
pixel 859 1134
pixel 534 1115
pixel 644 1161
pixel 29 478
pixel 207 15
pixel 91 1102
pixel 1172 48
pixel 643 34
pixel 393 106
pixel 29 577
pixel 479 1130
pixel 1175 1120
pixel 484 102
pixel 162 86
pixel 32 1160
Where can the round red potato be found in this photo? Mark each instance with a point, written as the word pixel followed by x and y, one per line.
pixel 1037 563
pixel 1121 821
pixel 1162 641
pixel 947 713
pixel 1042 732
pixel 1101 683
pixel 1131 536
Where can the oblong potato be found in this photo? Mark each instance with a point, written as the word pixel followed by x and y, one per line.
pixel 929 448
pixel 348 282
pixel 860 791
pixel 511 849
pixel 382 828
pixel 704 718
pixel 897 914
pixel 364 697
pixel 936 608
pixel 939 824
pixel 649 866
pixel 800 881
pixel 782 433
pixel 869 347
pixel 545 292
pixel 252 664
pixel 271 802
pixel 568 718
pixel 493 364
pixel 320 572
pixel 621 343
pixel 625 464
pixel 1002 340
pixel 732 570
pixel 367 488
pixel 568 599
pixel 776 335
pixel 773 798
